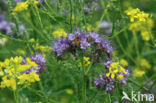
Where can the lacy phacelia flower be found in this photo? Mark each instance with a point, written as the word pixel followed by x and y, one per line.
pixel 80 40
pixel 12 73
pixel 102 80
pixel 136 14
pixel 39 60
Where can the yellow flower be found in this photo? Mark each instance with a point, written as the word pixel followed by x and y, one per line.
pixel 31 63
pixel 86 61
pixel 145 35
pixel 12 73
pixel 123 62
pixel 89 28
pixel 32 40
pixel 69 91
pixel 138 73
pixel 28 78
pixel 136 14
pixel 144 27
pixel 145 64
pixel 20 51
pixel 59 33
pixel 10 83
pixel 154 68
pixel 116 69
pixel 21 6
pixel 120 76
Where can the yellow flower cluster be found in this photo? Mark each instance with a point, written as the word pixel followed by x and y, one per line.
pixel 86 61
pixel 136 14
pixel 144 64
pixel 59 33
pixel 69 91
pixel 20 51
pixel 11 71
pixel 144 27
pixel 41 48
pixel 116 69
pixel 138 72
pixel 21 6
pixel 123 62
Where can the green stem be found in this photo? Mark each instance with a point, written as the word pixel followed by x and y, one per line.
pixel 84 86
pixel 42 90
pixel 16 96
pixel 83 81
pixel 136 43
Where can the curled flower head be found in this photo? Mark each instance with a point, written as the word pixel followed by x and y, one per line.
pixel 80 40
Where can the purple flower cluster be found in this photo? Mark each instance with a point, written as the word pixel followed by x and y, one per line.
pixel 6 27
pixel 124 79
pixel 39 60
pixel 92 6
pixel 107 82
pixel 83 41
pixel 107 26
pixel 104 82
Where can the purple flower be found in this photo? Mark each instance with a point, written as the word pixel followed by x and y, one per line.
pixel 108 31
pixel 98 82
pixel 71 37
pixel 40 61
pixel 5 26
pixel 109 87
pixel 105 24
pixel 61 45
pixel 108 63
pixel 95 37
pixel 18 0
pixel 101 80
pixel 1 17
pixel 31 70
pixel 84 45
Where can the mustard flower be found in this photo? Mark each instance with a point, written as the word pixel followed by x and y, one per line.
pixel 21 6
pixel 138 73
pixel 145 64
pixel 116 69
pixel 136 14
pixel 123 62
pixel 145 35
pixel 12 72
pixel 86 61
pixel 59 33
